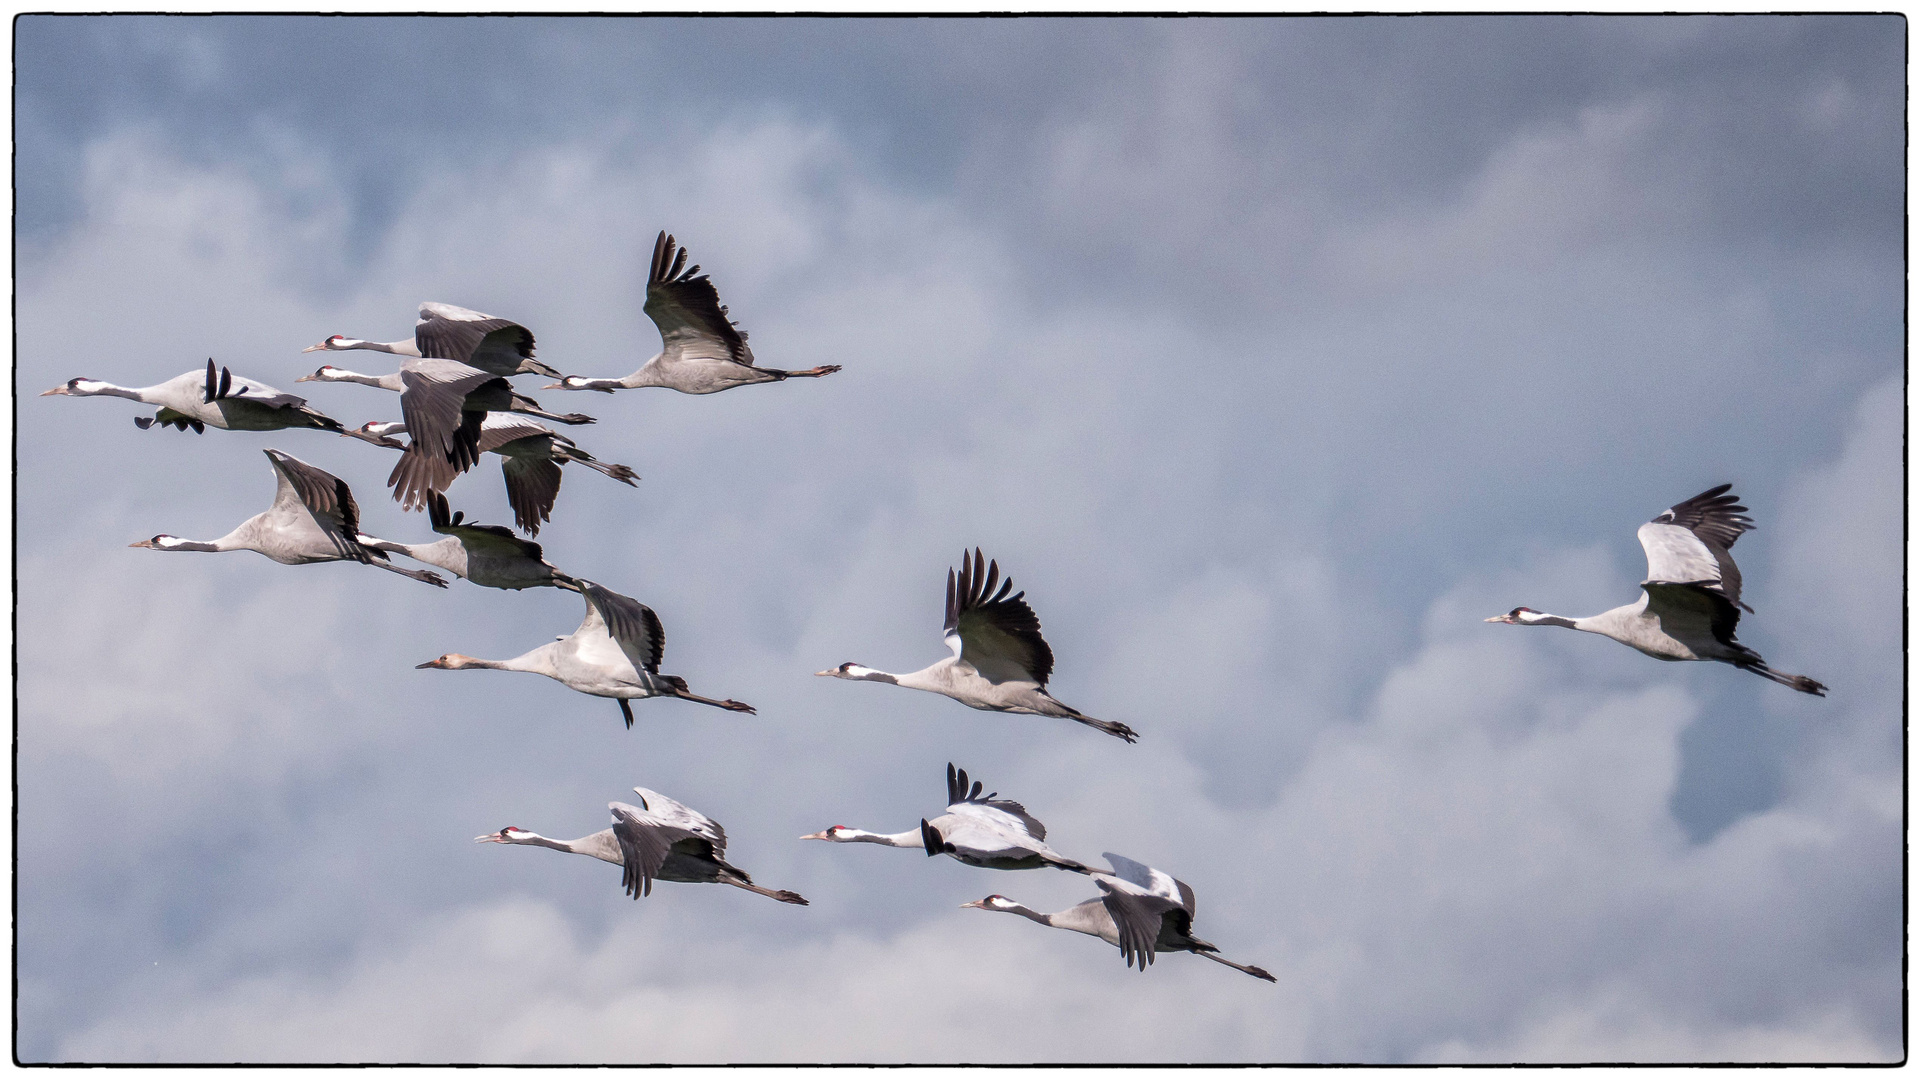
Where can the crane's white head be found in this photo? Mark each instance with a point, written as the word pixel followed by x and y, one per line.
pixel 80 387
pixel 996 902
pixel 851 670
pixel 452 661
pixel 512 834
pixel 334 343
pixel 379 433
pixel 838 834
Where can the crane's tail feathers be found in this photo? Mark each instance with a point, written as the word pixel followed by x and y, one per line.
pixel 1256 972
pixel 1798 682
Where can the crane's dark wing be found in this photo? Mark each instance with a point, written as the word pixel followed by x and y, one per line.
pixel 683 303
pixel 1692 611
pixel 501 428
pixel 996 633
pixel 1136 915
pixel 533 485
pixel 631 624
pixel 685 817
pixel 1152 881
pixel 644 842
pixel 433 406
pixel 1713 516
pixel 324 494
pixel 493 539
pixel 418 475
pixel 1688 544
pixel 482 341
pixel 241 388
pixel 959 794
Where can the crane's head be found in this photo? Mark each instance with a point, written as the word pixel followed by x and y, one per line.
pixel 163 542
pixel 837 834
pixel 851 670
pixel 80 387
pixel 325 373
pixel 379 433
pixel 996 902
pixel 332 344
pixel 1517 615
pixel 452 661
pixel 512 834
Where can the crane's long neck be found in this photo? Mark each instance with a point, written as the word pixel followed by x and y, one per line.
pixel 445 554
pixel 240 539
pixel 409 347
pixel 540 662
pixel 1079 919
pixel 861 673
pixel 909 839
pixel 385 382
pixel 94 388
pixel 600 845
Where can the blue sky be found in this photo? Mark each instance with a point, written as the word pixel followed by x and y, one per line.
pixel 1268 356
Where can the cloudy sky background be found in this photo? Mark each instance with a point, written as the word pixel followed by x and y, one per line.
pixel 1268 357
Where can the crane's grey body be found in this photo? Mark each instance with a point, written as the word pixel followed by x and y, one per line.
pixel 1000 663
pixel 531 456
pixel 1690 601
pixel 988 832
pixel 615 653
pixel 202 400
pixel 701 350
pixel 488 555
pixel 1141 910
pixel 659 840
pixel 313 519
pixel 498 346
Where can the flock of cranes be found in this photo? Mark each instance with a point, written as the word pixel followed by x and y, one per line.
pixel 457 403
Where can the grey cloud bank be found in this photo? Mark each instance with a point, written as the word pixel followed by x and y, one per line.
pixel 1269 357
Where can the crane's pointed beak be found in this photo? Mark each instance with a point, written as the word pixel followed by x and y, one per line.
pixel 815 836
pixel 490 838
pixel 60 390
pixel 1500 618
pixel 141 543
pixel 322 347
pixel 974 903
